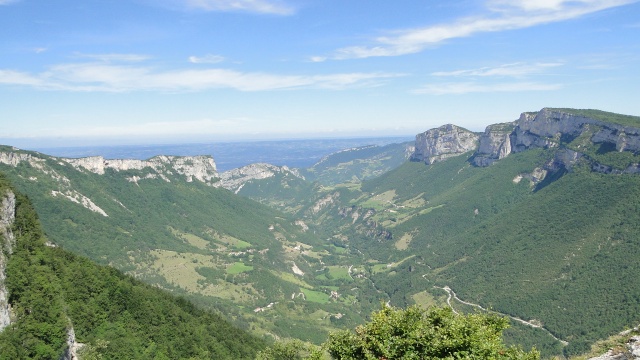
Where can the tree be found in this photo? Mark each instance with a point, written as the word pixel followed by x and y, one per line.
pixel 436 333
pixel 290 350
pixel 415 333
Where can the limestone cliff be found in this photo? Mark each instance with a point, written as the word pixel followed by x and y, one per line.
pixel 446 141
pixel 550 128
pixel 235 179
pixel 7 242
pixel 201 168
pixel 167 168
pixel 494 144
pixel 552 124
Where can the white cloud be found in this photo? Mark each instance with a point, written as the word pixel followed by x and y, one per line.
pixel 207 59
pixel 471 87
pixel 318 58
pixel 12 77
pixel 501 15
pixel 98 76
pixel 507 70
pixel 108 58
pixel 258 6
pixel 7 2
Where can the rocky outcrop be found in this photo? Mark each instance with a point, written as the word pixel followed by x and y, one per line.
pixel 235 179
pixel 364 222
pixel 201 168
pixel 78 198
pixel 494 144
pixel 37 162
pixel 7 217
pixel 550 125
pixel 71 352
pixel 563 161
pixel 550 128
pixel 629 351
pixel 444 142
pixel 322 203
pixel 7 242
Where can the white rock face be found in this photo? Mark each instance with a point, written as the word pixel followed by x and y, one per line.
pixel 631 351
pixel 302 225
pixel 71 352
pixel 296 270
pixel 78 198
pixel 7 217
pixel 190 168
pixel 494 144
pixel 324 202
pixel 95 164
pixel 444 142
pixel 235 179
pixel 201 168
pixel 13 159
pixel 546 128
pixel 550 123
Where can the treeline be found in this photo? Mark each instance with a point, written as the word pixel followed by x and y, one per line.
pixel 117 317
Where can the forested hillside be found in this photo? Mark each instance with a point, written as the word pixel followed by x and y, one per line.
pixel 538 222
pixel 221 251
pixel 54 293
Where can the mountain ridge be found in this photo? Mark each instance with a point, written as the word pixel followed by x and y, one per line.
pixel 401 237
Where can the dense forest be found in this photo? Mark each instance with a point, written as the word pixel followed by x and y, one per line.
pixel 115 316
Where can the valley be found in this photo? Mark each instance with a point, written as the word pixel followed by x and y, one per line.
pixel 536 220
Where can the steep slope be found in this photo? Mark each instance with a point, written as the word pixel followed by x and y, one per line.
pixel 546 234
pixel 62 304
pixel 222 251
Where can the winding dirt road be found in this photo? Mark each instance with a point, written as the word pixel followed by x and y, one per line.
pixel 451 294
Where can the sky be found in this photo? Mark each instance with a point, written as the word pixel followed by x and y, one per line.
pixel 104 72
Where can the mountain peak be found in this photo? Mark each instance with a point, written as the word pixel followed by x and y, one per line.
pixel 443 142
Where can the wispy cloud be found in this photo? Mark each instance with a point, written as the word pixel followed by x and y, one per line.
pixel 472 87
pixel 7 2
pixel 109 58
pixel 506 70
pixel 501 15
pixel 492 79
pixel 276 7
pixel 12 77
pixel 98 76
pixel 207 59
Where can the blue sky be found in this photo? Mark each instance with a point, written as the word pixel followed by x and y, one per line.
pixel 177 71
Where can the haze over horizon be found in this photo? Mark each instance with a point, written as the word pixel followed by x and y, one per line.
pixel 178 71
